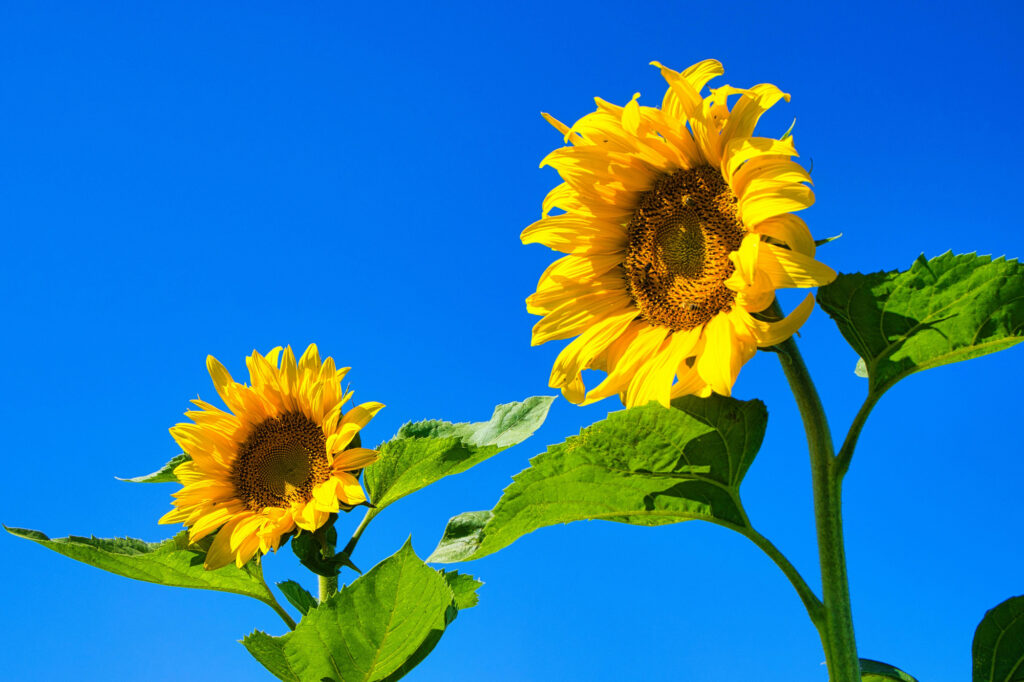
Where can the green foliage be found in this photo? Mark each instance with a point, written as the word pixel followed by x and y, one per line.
pixel 164 474
pixel 876 671
pixel 297 595
pixel 377 628
pixel 464 588
pixel 427 451
pixel 998 649
pixel 172 562
pixel 316 551
pixel 646 466
pixel 943 310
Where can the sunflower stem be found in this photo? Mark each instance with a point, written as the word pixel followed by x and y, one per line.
pixel 328 586
pixel 836 626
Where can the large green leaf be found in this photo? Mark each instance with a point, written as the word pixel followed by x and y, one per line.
pixel 427 451
pixel 876 671
pixel 164 474
pixel 377 628
pixel 942 310
pixel 647 465
pixel 172 562
pixel 998 649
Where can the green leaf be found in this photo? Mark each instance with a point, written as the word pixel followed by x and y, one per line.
pixel 427 451
pixel 998 649
pixel 647 466
pixel 876 671
pixel 464 588
pixel 943 310
pixel 297 595
pixel 172 562
pixel 377 628
pixel 164 474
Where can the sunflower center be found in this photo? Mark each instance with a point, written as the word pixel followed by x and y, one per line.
pixel 680 237
pixel 281 461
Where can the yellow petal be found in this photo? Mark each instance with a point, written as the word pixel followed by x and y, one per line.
pixel 787 268
pixel 223 382
pixel 574 317
pixel 355 458
pixel 790 229
pixel 653 379
pixel 326 496
pixel 683 96
pixel 772 333
pixel 209 523
pixel 220 553
pixel 355 419
pixel 739 150
pixel 577 234
pixel 349 490
pixel 744 116
pixel 576 269
pixel 725 352
pixel 638 344
pixel 577 356
pixel 758 206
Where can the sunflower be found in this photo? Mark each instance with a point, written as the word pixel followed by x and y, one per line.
pixel 276 462
pixel 678 226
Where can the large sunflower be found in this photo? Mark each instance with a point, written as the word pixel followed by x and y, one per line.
pixel 276 462
pixel 678 228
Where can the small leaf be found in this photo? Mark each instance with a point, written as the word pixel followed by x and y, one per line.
pixel 172 562
pixel 311 548
pixel 427 451
pixel 646 466
pixel 998 648
pixel 943 310
pixel 464 587
pixel 377 628
pixel 164 474
pixel 876 671
pixel 297 595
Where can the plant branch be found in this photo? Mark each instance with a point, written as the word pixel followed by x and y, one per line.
pixel 815 609
pixel 846 452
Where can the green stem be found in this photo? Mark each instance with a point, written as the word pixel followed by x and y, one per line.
pixel 837 624
pixel 272 602
pixel 352 541
pixel 281 612
pixel 846 452
pixel 814 607
pixel 328 586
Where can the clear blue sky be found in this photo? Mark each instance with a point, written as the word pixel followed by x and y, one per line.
pixel 179 179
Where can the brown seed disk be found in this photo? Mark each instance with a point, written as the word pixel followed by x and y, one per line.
pixel 680 237
pixel 281 462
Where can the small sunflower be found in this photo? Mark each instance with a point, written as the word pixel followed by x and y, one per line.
pixel 276 462
pixel 678 226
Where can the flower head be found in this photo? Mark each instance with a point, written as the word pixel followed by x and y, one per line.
pixel 277 461
pixel 678 226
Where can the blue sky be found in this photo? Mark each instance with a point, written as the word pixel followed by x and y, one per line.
pixel 180 179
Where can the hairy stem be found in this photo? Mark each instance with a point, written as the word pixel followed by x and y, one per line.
pixel 826 476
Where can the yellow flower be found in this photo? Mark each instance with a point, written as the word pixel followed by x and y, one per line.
pixel 678 228
pixel 276 462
